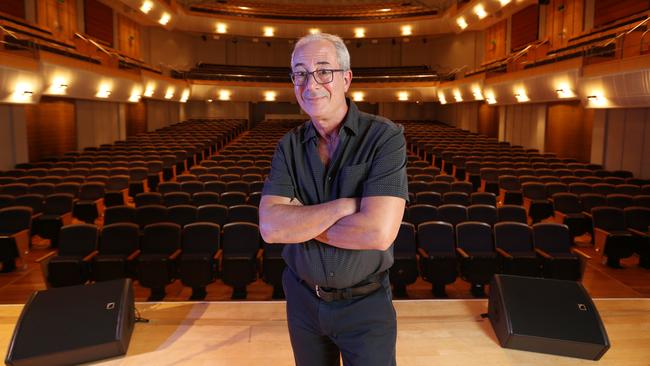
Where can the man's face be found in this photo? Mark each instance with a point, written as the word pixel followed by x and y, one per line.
pixel 320 101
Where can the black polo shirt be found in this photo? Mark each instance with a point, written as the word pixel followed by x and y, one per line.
pixel 370 160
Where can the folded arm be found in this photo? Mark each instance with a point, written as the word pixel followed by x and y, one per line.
pixel 375 226
pixel 287 221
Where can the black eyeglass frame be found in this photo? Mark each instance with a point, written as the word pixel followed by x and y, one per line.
pixel 307 73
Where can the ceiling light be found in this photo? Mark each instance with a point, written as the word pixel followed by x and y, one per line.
pixel 146 6
pixel 359 32
pixel 442 99
pixel 185 96
pixel 477 93
pixel 490 98
pixel 504 2
pixel 135 97
pixel 521 96
pixel 59 86
pixel 270 95
pixel 224 94
pixel 461 22
pixel 222 28
pixel 269 31
pixel 209 100
pixel 564 91
pixel 358 96
pixel 150 90
pixel 314 31
pixel 244 8
pixel 597 100
pixel 23 92
pixel 479 10
pixel 385 10
pixel 403 95
pixel 407 30
pixel 170 93
pixel 104 93
pixel 164 19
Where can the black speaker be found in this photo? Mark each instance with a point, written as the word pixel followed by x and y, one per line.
pixel 547 316
pixel 72 325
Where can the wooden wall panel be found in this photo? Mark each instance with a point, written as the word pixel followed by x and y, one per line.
pixel 99 21
pixel 59 16
pixel 568 130
pixel 13 7
pixel 495 41
pixel 136 118
pixel 488 120
pixel 51 127
pixel 607 11
pixel 565 19
pixel 524 27
pixel 128 36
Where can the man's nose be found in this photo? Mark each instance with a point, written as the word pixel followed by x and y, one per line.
pixel 311 83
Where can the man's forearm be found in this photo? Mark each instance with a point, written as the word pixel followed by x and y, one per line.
pixel 293 223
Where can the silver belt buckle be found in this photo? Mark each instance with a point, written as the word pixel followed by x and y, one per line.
pixel 317 288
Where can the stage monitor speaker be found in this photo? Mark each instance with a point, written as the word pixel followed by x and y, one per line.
pixel 72 325
pixel 547 316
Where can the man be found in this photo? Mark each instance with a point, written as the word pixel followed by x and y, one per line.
pixel 336 196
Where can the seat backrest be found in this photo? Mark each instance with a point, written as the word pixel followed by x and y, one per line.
pixel 603 188
pixel 482 213
pixel 453 214
pixel 44 189
pixel 591 200
pixel 78 240
pixel 182 214
pixel 232 198
pixel 121 238
pixel 148 198
pixel 240 239
pixel 420 213
pixel 405 245
pixel 119 214
pixel 58 204
pixel 35 201
pixel 619 200
pixel 483 198
pixel 428 198
pixel 509 183
pixel 552 237
pixel 14 219
pixel 513 237
pixel 243 213
pixel 440 187
pixel 151 214
pixel 205 198
pixel 637 218
pixel 629 189
pixel 167 187
pixel 92 191
pixel 534 190
pixel 642 200
pixel 201 237
pixel 214 213
pixel 512 213
pixel 117 183
pixel 567 203
pixel 215 186
pixel 6 200
pixel 608 218
pixel 161 238
pixel 555 187
pixel 474 237
pixel 465 187
pixel 455 198
pixel 15 189
pixel 192 187
pixel 579 188
pixel 176 198
pixel 436 237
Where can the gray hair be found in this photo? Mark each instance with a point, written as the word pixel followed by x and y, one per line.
pixel 342 54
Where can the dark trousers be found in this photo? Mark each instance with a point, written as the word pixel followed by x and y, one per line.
pixel 362 331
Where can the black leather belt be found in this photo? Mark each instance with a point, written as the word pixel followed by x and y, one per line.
pixel 366 287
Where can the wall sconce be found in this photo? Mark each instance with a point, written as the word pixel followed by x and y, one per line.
pixel 269 96
pixel 146 6
pixel 462 23
pixel 403 96
pixel 224 94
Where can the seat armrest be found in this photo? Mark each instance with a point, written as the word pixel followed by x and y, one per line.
pixel 175 255
pixel 600 237
pixel 462 253
pixel 581 254
pixel 218 254
pixel 559 217
pixel 638 233
pixel 588 214
pixel 503 253
pixel 543 254
pixel 423 253
pixel 259 254
pixel 133 255
pixel 90 256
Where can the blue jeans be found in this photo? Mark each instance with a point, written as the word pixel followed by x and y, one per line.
pixel 362 331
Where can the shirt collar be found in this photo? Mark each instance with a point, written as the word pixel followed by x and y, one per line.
pixel 350 123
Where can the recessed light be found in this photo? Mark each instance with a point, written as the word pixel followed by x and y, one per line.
pixel 164 19
pixel 146 6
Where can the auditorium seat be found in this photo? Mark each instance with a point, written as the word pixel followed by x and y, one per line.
pixel 483 213
pixel 619 200
pixel 192 187
pixel 637 221
pixel 243 213
pixel 205 198
pixel 254 198
pixel 568 211
pixel 512 213
pixel 612 239
pixel 404 270
pixel 437 255
pixel 86 207
pixel 553 243
pixel 157 263
pixel 536 201
pixel 241 244
pixel 230 199
pixel 182 215
pixel 6 200
pixel 168 187
pixel 591 200
pixel 148 198
pixel 483 198
pixel 56 213
pixel 510 190
pixel 151 214
pixel 34 201
pixel 71 264
pixel 118 251
pixel 215 186
pixel 177 198
pixel 119 214
pixel 455 198
pixel 116 190
pixel 514 243
pixel 272 267
pixel 44 189
pixel 642 200
pixel 15 227
pixel 199 263
pixel 478 259
pixel 428 198
pixel 453 214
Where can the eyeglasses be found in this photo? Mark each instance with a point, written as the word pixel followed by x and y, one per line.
pixel 321 76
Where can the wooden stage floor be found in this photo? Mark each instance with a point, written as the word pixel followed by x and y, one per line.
pixel 430 332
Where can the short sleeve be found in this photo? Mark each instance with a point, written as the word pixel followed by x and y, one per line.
pixel 279 182
pixel 387 173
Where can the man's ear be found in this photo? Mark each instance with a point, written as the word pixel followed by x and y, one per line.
pixel 347 78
